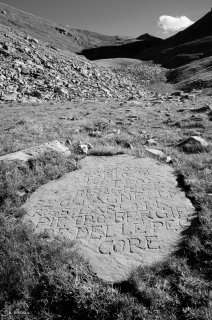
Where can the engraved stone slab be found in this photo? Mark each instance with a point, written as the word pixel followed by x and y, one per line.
pixel 122 211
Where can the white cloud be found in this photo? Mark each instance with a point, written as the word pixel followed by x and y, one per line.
pixel 173 24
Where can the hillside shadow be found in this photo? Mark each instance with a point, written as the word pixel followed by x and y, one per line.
pixel 126 50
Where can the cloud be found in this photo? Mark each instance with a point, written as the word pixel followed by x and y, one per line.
pixel 173 24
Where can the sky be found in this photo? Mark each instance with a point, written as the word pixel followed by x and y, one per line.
pixel 160 18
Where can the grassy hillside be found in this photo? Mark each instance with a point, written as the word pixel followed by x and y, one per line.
pixel 59 36
pixel 198 30
pixel 187 48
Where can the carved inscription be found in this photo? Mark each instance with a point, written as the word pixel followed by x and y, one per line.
pixel 117 207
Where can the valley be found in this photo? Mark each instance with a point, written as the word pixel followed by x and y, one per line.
pixel 105 173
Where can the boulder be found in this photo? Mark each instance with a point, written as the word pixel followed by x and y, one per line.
pixel 35 152
pixel 194 144
pixel 9 96
pixel 205 108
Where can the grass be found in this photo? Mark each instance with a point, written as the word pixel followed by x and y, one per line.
pixel 19 180
pixel 42 279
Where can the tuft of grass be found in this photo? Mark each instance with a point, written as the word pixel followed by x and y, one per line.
pixel 106 151
pixel 18 180
pixel 173 290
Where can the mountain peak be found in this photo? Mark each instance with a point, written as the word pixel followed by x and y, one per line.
pixel 200 29
pixel 147 36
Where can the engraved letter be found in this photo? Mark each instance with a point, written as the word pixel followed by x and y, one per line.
pixel 106 247
pixel 119 246
pixel 97 232
pixel 152 242
pixel 82 233
pixel 120 217
pixel 136 245
pixel 110 232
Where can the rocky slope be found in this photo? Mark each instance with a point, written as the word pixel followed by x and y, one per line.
pixel 60 36
pixel 191 47
pixel 32 70
pixel 39 61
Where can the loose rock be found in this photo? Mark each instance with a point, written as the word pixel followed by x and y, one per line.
pixel 194 144
pixel 35 152
pixel 156 152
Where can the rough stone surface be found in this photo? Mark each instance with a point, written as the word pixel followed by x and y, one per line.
pixel 34 152
pixel 31 69
pixel 156 152
pixel 122 211
pixel 194 141
pixel 199 140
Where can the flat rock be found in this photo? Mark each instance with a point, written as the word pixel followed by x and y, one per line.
pixel 9 97
pixel 195 140
pixel 158 153
pixel 199 140
pixel 205 108
pixel 121 212
pixel 34 152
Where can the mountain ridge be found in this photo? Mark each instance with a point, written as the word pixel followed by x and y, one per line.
pixel 58 35
pixel 186 47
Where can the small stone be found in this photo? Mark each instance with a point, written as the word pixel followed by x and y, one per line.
pixel 151 142
pixel 202 109
pixel 27 50
pixel 84 148
pixel 177 93
pixel 9 97
pixel 125 144
pixel 90 146
pixel 68 142
pixel 34 40
pixel 95 133
pixel 33 100
pixel 77 130
pixel 156 152
pixel 169 160
pixel 61 91
pixel 37 94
